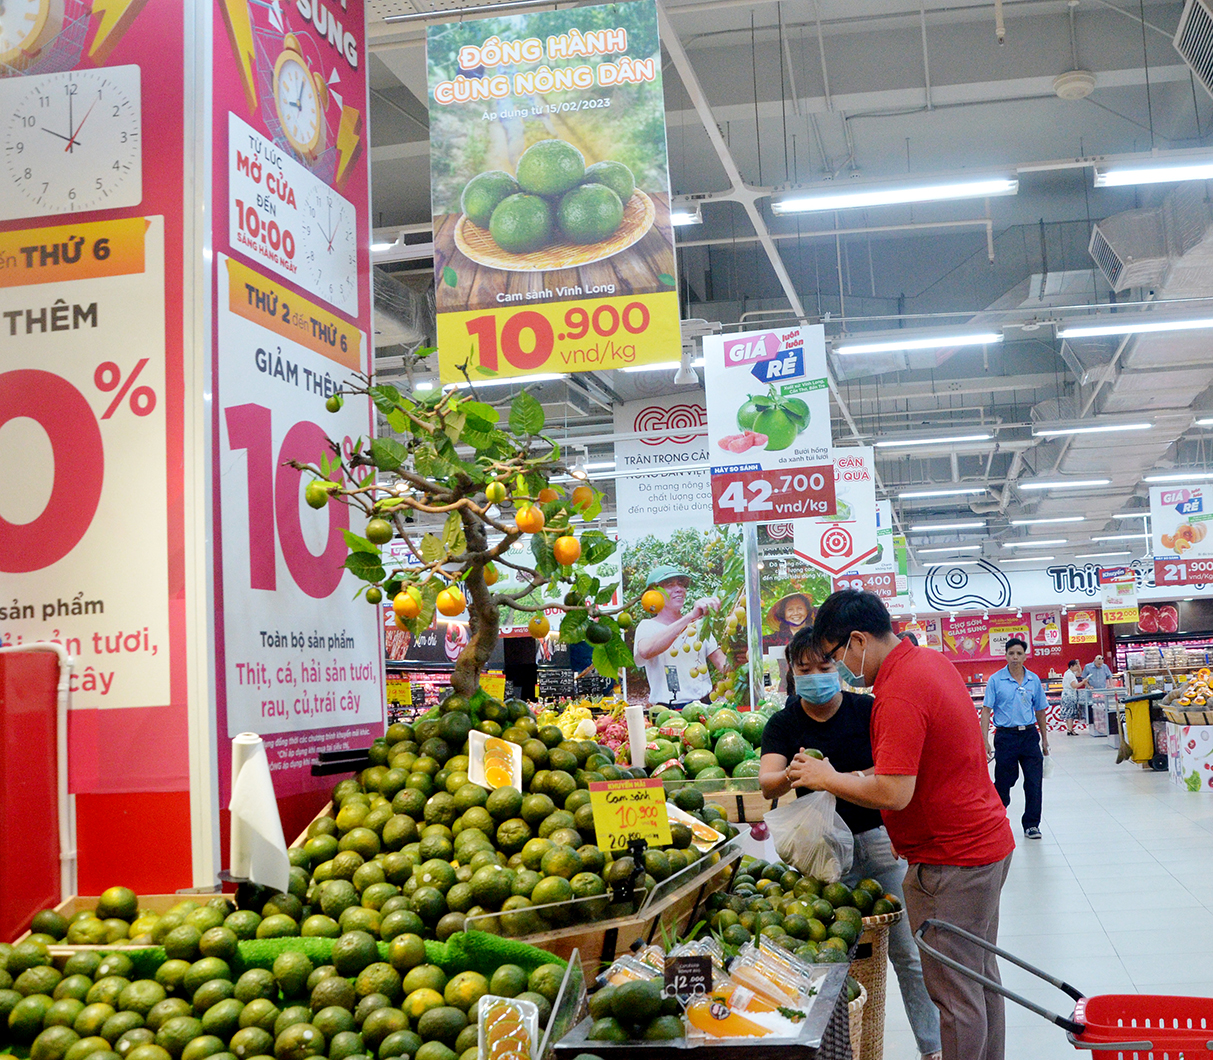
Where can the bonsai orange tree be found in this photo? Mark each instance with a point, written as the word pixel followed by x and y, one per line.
pixel 480 477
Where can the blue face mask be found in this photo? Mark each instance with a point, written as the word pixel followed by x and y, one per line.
pixel 855 680
pixel 817 688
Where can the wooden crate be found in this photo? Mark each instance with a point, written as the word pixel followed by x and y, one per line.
pixel 744 807
pixel 1188 717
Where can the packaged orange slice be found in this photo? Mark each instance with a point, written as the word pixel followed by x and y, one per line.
pixel 508 1028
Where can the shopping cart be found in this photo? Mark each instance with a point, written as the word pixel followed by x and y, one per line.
pixel 1137 1026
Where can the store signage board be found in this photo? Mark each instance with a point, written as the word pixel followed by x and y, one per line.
pixel 842 543
pixel 628 810
pixel 1083 626
pixel 1118 587
pixel 299 659
pixel 884 573
pixel 1180 519
pixel 574 276
pixel 768 402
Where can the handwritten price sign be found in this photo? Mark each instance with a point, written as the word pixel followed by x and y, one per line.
pixel 627 810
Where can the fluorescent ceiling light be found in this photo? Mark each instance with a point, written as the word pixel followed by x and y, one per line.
pixel 1132 515
pixel 897 443
pixel 425 384
pixel 1132 327
pixel 1121 174
pixel 951 563
pixel 685 213
pixel 606 465
pixel 1186 476
pixel 1046 431
pixel 382 246
pixel 661 366
pixel 953 548
pixel 1064 484
pixel 520 380
pixel 928 342
pixel 1036 544
pixel 1028 559
pixel 1103 555
pixel 1206 421
pixel 848 196
pixel 1052 519
pixel 930 528
pixel 942 493
pixel 1118 537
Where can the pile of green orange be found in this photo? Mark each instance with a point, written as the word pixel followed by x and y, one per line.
pixel 553 195
pixel 108 1007
pixel 817 921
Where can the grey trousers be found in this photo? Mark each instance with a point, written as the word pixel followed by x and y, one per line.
pixel 971 1018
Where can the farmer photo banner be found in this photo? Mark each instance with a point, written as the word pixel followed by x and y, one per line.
pixel 553 248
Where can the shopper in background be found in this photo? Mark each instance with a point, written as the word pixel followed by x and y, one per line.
pixel 1016 698
pixel 676 678
pixel 1096 674
pixel 1071 682
pixel 932 785
pixel 819 714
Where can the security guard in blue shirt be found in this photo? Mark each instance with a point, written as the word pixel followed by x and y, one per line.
pixel 1016 698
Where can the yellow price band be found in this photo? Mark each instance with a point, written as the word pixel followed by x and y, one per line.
pixel 595 334
pixel 627 810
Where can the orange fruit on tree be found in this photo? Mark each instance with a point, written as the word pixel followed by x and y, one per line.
pixel 406 604
pixel 653 601
pixel 530 520
pixel 546 494
pixel 450 601
pixel 379 531
pixel 582 496
pixel 567 550
pixel 490 574
pixel 495 492
pixel 539 627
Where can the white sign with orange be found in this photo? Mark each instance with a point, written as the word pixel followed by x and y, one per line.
pixel 493 762
pixel 1179 521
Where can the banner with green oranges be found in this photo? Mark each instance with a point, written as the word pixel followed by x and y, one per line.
pixel 553 247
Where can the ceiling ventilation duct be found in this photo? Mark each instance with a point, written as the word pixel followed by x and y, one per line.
pixel 1135 248
pixel 1194 41
pixel 403 316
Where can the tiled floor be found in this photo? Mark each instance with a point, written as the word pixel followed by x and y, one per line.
pixel 1117 897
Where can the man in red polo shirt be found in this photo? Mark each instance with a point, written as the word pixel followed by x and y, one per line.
pixel 932 786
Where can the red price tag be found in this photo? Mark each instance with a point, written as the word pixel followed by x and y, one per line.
pixel 772 496
pixel 883 585
pixel 1183 572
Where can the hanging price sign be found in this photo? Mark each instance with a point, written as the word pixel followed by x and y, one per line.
pixel 627 810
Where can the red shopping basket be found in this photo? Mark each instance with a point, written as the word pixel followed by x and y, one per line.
pixel 1133 1026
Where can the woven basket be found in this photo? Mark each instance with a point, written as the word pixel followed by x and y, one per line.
pixel 872 971
pixel 855 1021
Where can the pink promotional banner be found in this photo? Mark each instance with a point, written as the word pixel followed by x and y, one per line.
pixel 299 661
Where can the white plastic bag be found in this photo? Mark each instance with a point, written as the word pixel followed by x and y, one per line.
pixel 810 837
pixel 1046 770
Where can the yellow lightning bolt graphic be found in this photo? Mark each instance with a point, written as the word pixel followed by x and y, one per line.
pixel 116 19
pixel 240 32
pixel 349 141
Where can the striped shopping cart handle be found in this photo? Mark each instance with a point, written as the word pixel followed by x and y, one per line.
pixel 1072 1028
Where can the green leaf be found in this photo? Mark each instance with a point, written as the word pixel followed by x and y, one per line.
pixel 449 277
pixel 386 398
pixel 482 370
pixel 667 279
pixel 431 549
pixel 603 662
pixel 399 422
pixel 620 654
pixel 541 549
pixel 526 414
pixel 572 626
pixel 605 593
pixel 592 510
pixel 365 566
pixel 367 480
pixel 453 536
pixel 481 411
pixel 596 546
pixel 360 544
pixel 387 454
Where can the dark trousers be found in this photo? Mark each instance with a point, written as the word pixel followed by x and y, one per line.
pixel 1014 748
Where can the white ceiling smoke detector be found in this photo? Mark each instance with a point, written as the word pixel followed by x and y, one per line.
pixel 1074 84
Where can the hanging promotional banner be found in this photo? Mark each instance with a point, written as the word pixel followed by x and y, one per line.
pixel 978 637
pixel 1179 523
pixel 550 188
pixel 298 659
pixel 880 573
pixel 1046 629
pixel 927 631
pixel 1118 586
pixel 769 438
pixel 1083 627
pixel 845 541
pixel 1003 630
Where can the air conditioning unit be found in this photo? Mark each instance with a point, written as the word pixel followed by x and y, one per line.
pixel 1194 41
pixel 1135 248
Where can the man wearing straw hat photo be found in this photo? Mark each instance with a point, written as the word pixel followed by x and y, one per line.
pixel 673 656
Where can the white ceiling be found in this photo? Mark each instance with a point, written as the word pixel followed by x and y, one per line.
pixel 807 90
